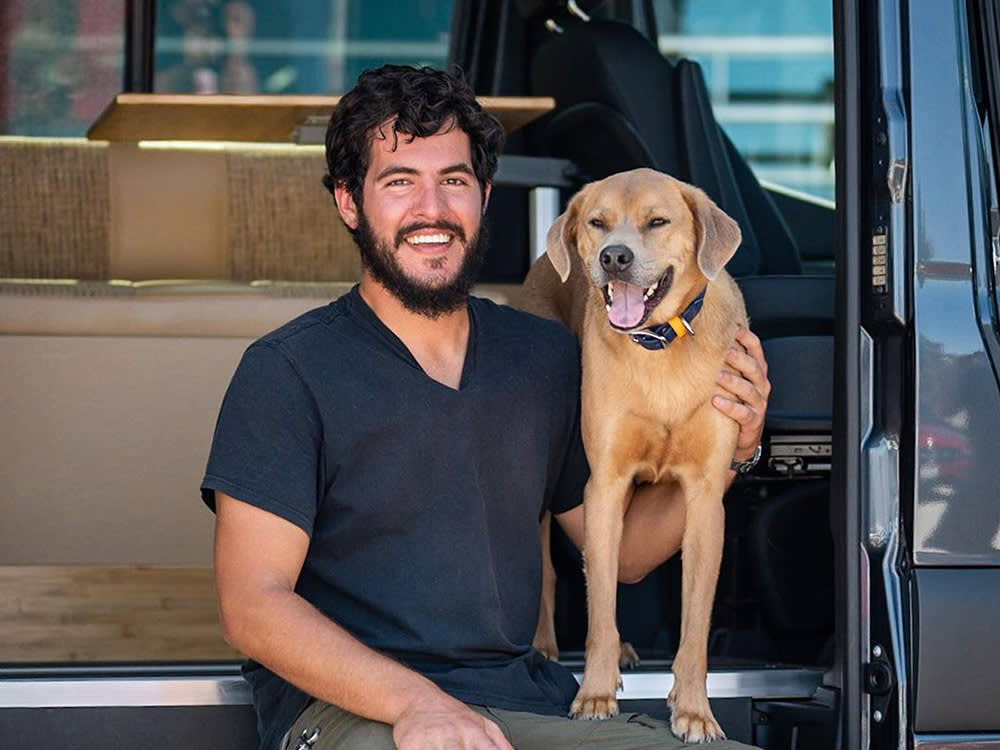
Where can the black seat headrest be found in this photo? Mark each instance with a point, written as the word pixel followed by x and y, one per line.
pixel 607 62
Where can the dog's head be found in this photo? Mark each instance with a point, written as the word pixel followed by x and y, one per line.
pixel 648 243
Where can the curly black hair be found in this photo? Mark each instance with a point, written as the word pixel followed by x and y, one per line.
pixel 419 101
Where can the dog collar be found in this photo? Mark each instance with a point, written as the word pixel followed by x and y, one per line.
pixel 658 337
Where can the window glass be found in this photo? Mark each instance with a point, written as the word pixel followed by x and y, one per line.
pixel 769 69
pixel 60 64
pixel 305 47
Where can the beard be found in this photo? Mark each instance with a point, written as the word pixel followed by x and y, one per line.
pixel 423 298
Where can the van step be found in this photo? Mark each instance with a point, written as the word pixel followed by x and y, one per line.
pixel 222 684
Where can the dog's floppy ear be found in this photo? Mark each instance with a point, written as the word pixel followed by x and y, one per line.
pixel 718 235
pixel 561 238
pixel 557 246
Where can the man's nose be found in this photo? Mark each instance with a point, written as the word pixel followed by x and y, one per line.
pixel 431 201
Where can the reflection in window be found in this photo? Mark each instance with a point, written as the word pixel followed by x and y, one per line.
pixel 305 47
pixel 60 64
pixel 769 69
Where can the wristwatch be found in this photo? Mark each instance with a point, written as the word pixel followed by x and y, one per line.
pixel 744 467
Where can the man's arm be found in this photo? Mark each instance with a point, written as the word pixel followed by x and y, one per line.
pixel 258 557
pixel 654 519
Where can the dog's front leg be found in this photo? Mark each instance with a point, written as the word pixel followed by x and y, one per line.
pixel 691 716
pixel 604 505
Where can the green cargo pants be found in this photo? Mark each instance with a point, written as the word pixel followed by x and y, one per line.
pixel 340 730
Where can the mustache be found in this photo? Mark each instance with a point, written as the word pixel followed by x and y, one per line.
pixel 446 226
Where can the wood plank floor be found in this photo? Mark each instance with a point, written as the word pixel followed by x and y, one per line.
pixel 97 614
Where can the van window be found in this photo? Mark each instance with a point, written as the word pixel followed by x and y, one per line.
pixel 61 62
pixel 769 70
pixel 305 47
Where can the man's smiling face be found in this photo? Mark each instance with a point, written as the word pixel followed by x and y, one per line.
pixel 419 224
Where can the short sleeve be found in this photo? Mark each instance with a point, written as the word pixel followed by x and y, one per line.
pixel 266 450
pixel 568 491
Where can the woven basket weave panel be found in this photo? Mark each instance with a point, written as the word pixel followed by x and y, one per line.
pixel 283 223
pixel 54 208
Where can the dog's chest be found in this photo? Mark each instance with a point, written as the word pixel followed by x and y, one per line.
pixel 645 401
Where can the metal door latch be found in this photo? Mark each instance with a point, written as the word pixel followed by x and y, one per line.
pixel 897 180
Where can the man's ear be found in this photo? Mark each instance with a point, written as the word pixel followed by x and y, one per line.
pixel 487 191
pixel 561 238
pixel 719 235
pixel 345 205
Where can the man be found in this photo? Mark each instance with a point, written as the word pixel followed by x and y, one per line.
pixel 380 465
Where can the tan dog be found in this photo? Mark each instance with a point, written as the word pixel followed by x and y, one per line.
pixel 633 252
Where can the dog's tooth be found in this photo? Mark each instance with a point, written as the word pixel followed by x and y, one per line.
pixel 608 308
pixel 611 292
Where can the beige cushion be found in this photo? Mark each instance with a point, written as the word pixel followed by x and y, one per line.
pixel 54 213
pixel 108 400
pixel 282 222
pixel 172 308
pixel 168 308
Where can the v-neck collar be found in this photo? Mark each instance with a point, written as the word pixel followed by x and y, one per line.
pixel 359 307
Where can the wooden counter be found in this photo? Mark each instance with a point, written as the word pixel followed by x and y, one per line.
pixel 256 118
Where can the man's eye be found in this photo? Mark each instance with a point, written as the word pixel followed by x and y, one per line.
pixel 596 223
pixel 396 182
pixel 658 221
pixel 455 181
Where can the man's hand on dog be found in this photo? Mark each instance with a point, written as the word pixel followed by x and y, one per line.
pixel 750 389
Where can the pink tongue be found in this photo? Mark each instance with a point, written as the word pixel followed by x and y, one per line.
pixel 627 305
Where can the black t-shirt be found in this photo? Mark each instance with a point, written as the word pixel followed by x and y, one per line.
pixel 422 502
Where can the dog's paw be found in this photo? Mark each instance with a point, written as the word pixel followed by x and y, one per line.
pixel 594 707
pixel 695 728
pixel 627 657
pixel 693 725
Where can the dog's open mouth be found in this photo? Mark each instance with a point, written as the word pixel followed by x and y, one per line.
pixel 629 306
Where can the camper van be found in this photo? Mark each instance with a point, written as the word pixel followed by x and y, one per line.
pixel 161 207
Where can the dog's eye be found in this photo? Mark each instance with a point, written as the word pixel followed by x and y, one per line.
pixel 596 223
pixel 659 221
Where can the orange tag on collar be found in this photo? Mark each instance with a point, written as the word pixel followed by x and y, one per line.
pixel 678 325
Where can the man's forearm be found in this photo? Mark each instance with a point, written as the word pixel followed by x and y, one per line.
pixel 653 528
pixel 652 531
pixel 289 636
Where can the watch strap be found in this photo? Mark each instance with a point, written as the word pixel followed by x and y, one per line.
pixel 744 467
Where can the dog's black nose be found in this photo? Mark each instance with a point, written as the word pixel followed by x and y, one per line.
pixel 616 258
